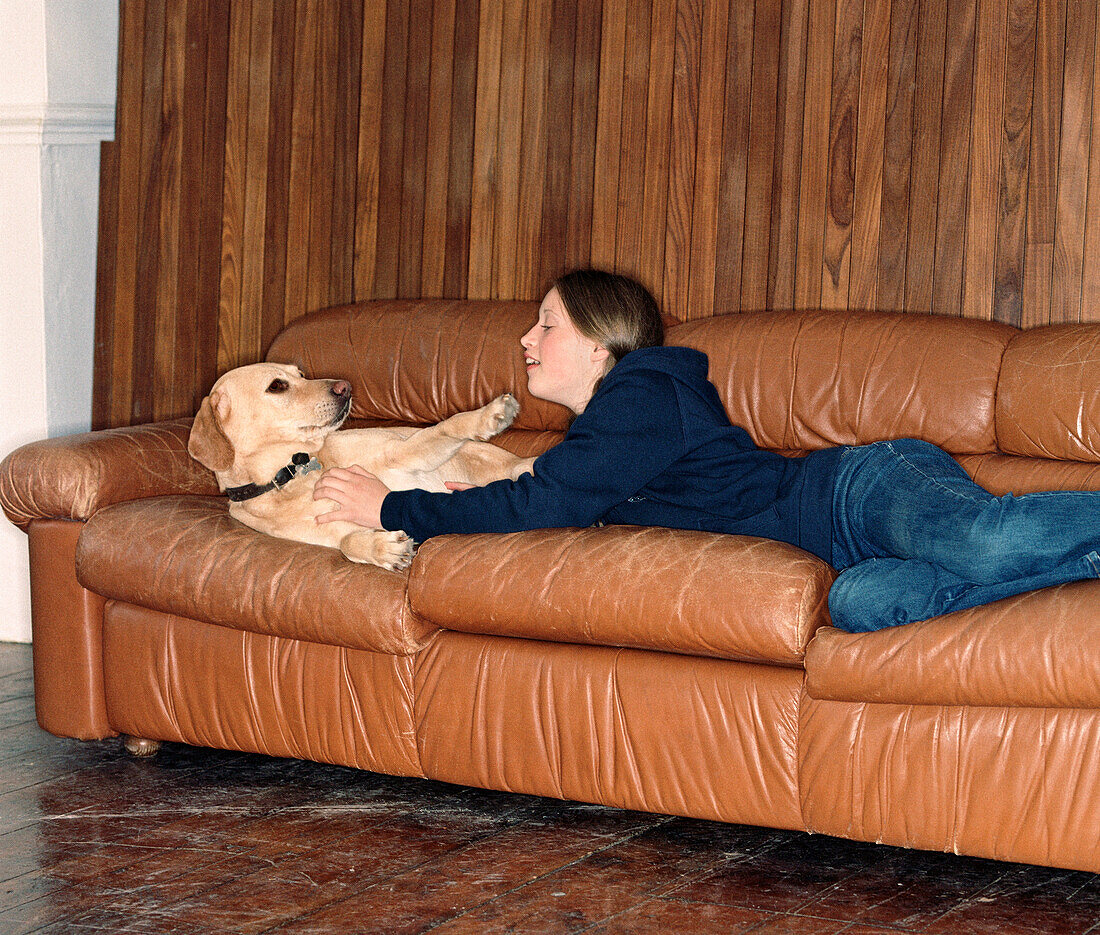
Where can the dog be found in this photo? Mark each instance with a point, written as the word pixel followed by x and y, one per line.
pixel 267 432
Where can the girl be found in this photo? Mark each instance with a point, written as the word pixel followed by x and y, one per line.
pixel 912 536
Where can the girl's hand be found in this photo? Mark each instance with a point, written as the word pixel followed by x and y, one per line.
pixel 358 495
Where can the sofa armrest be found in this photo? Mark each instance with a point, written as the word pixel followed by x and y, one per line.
pixel 74 476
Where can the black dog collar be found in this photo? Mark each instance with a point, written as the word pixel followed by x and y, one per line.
pixel 301 463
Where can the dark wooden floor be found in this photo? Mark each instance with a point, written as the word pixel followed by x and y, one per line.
pixel 199 841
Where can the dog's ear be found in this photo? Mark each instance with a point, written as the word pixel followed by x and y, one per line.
pixel 208 444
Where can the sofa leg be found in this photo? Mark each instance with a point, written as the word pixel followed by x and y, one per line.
pixel 139 746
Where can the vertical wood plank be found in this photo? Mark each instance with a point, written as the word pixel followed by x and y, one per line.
pixel 1090 286
pixel 843 116
pixel 985 157
pixel 898 157
pixel 434 236
pixel 631 185
pixel 609 135
pixel 870 154
pixel 463 114
pixel 529 283
pixel 1073 162
pixel 106 270
pixel 414 157
pixel 814 175
pixel 786 173
pixel 1008 277
pixel 662 54
pixel 319 270
pixel 761 155
pixel 486 134
pixel 349 72
pixel 582 138
pixel 508 147
pixel 954 159
pixel 166 298
pixel 1042 186
pixel 920 261
pixel 708 159
pixel 301 159
pixel 391 150
pixel 369 147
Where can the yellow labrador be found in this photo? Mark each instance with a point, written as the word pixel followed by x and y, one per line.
pixel 267 432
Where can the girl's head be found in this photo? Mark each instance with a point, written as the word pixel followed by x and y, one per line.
pixel 588 322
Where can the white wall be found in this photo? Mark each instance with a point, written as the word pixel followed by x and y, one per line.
pixel 57 92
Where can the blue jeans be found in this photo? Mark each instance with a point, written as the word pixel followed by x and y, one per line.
pixel 914 537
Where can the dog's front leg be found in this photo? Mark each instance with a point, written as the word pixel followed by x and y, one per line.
pixel 390 550
pixel 431 448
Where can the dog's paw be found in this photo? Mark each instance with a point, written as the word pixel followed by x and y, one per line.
pixel 390 550
pixel 496 416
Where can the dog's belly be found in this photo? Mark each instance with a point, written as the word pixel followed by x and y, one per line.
pixel 409 480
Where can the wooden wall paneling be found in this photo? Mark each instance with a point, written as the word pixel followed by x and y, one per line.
pixel 843 117
pixel 349 72
pixel 414 158
pixel 216 77
pixel 532 159
pixel 367 191
pixel 683 136
pixel 870 156
pixel 306 23
pixel 787 168
pixel 391 150
pixel 1042 191
pixel 898 156
pixel 167 294
pixel 577 247
pixel 987 130
pixel 708 159
pixel 920 245
pixel 272 311
pixel 662 53
pixel 1008 277
pixel 1073 161
pixel 486 128
pixel 631 166
pixel 761 154
pixel 609 134
pixel 437 170
pixel 234 185
pixel 958 82
pixel 460 184
pixel 148 217
pixel 508 148
pixel 814 170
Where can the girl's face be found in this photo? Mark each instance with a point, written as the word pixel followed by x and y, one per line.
pixel 562 364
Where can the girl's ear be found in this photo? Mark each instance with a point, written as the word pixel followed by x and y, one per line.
pixel 600 354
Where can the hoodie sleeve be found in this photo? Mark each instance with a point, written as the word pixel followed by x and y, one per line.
pixel 631 431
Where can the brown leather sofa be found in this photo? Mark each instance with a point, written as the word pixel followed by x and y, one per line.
pixel 671 671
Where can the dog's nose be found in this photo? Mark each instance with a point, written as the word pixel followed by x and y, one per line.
pixel 341 389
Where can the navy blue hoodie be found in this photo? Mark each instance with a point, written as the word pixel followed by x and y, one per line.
pixel 653 447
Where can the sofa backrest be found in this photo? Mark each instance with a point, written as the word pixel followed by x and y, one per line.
pixel 797 381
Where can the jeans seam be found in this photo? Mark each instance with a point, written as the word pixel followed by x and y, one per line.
pixel 932 479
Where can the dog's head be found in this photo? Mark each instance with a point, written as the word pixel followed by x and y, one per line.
pixel 257 416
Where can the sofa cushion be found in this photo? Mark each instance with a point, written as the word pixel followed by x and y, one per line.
pixel 1058 365
pixel 186 556
pixel 697 593
pixel 1023 651
pixel 798 381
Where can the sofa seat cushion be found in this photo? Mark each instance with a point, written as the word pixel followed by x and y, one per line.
pixel 1032 650
pixel 186 556
pixel 695 593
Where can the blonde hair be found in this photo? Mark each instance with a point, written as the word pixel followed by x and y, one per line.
pixel 615 311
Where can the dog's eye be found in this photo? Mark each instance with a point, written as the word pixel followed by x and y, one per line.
pixel 278 385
